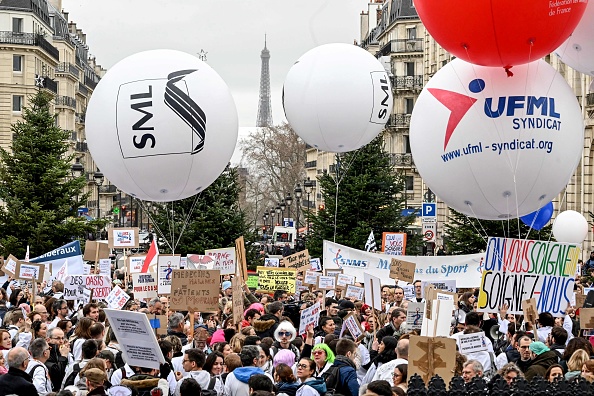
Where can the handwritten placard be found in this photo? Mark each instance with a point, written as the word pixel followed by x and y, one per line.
pixel 326 282
pixel 145 285
pixel 195 290
pixel 311 278
pixel 351 323
pixel 74 286
pixel 224 260
pixel 29 271
pixel 343 280
pixel 309 316
pixel 299 260
pixel 117 298
pixel 402 270
pixel 10 265
pixel 355 292
pixel 271 279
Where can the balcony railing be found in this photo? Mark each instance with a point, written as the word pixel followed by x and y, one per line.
pixel 7 37
pixel 66 67
pixel 83 90
pixel 110 189
pixel 401 159
pixel 81 147
pixel 407 82
pixel 80 117
pixel 311 164
pixel 50 84
pixel 401 45
pixel 590 99
pixel 399 120
pixel 66 101
pixel 90 83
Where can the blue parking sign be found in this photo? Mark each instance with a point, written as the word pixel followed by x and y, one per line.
pixel 429 209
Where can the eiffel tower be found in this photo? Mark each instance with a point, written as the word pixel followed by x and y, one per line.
pixel 264 108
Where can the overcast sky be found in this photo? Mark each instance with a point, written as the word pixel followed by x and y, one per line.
pixel 232 32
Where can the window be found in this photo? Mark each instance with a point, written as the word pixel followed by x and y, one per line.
pixel 17 25
pixel 17 63
pixel 410 68
pixel 409 104
pixel 406 144
pixel 410 183
pixel 411 33
pixel 17 103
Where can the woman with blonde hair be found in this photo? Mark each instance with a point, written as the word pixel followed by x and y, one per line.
pixel 576 363
pixel 236 342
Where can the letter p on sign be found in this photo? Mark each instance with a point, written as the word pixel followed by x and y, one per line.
pixel 429 209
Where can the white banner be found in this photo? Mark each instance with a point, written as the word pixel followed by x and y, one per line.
pixel 465 269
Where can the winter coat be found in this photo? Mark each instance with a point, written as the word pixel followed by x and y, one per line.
pixel 98 391
pixel 348 376
pixel 312 387
pixel 56 365
pixel 266 326
pixel 17 382
pixel 237 381
pixel 540 365
pixel 287 388
pixel 389 330
pixel 182 336
pixel 201 376
pixel 143 382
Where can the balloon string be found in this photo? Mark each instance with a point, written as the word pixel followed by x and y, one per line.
pixel 187 219
pixel 486 239
pixel 154 224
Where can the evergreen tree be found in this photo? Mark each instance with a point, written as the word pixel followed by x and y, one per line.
pixel 210 220
pixel 369 198
pixel 468 235
pixel 40 196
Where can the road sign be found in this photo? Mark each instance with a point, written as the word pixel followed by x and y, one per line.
pixel 429 232
pixel 429 220
pixel 429 209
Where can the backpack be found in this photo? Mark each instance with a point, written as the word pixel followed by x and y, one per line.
pixel 210 390
pixel 72 376
pixel 332 378
pixel 119 360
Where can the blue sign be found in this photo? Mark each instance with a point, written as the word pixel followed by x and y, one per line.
pixel 429 209
pixel 410 212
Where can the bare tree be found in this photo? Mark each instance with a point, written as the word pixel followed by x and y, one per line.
pixel 275 157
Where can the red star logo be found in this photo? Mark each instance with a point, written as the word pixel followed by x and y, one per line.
pixel 457 103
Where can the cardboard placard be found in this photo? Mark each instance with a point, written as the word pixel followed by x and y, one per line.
pixel 117 298
pixel 195 290
pixel 309 316
pixel 351 323
pixel 343 280
pixel 429 356
pixel 409 293
pixel 135 263
pixel 580 299
pixel 29 271
pixel 145 285
pixel 9 265
pixel 530 311
pixel 333 272
pixel 315 264
pixel 2 266
pixel 299 260
pixel 122 238
pixel 402 270
pixel 326 282
pixel 446 285
pixel 237 301
pixel 165 267
pixel 415 315
pixel 373 295
pixel 95 250
pixel 394 243
pixel 224 260
pixel 587 318
pixel 240 257
pixel 311 278
pixel 159 324
pixel 355 292
pixel 136 337
pixel 271 279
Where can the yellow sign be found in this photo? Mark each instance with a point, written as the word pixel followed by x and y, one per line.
pixel 271 279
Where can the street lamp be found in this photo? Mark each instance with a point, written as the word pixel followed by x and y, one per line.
pixel 271 215
pixel 289 201
pixel 278 210
pixel 264 218
pixel 99 178
pixel 77 168
pixel 283 206
pixel 298 193
pixel 308 185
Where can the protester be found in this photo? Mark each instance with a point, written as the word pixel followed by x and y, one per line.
pixel 16 381
pixel 236 383
pixel 310 385
pixel 394 328
pixel 472 368
pixel 346 379
pixel 285 381
pixel 324 358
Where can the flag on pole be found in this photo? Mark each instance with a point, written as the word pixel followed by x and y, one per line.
pixel 151 256
pixel 370 245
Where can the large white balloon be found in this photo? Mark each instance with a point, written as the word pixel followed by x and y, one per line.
pixel 578 50
pixel 337 97
pixel 161 125
pixel 570 227
pixel 492 146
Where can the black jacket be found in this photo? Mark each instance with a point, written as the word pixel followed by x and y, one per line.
pixel 266 326
pixel 56 366
pixel 17 382
pixel 389 330
pixel 182 336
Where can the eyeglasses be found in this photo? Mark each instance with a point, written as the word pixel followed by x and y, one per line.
pixel 302 366
pixel 186 360
pixel 58 338
pixel 318 352
pixel 284 334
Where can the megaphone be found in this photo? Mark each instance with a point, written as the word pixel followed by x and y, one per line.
pixel 495 333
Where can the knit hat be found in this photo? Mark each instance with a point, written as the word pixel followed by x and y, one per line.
pixel 329 354
pixel 285 356
pixel 539 348
pixel 95 376
pixel 218 336
pixel 226 285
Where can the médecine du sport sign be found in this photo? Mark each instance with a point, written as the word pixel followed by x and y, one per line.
pixel 515 270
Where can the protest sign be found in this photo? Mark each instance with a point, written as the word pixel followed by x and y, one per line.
pixel 86 296
pixel 145 285
pixel 394 243
pixel 343 280
pixel 105 267
pixel 123 238
pixel 204 261
pixel 415 315
pixel 465 269
pixel 159 324
pixel 429 356
pixel 580 299
pixel 241 258
pixel 136 338
pixel 446 285
pixel 224 260
pixel 195 290
pixel 587 318
pixel 402 270
pixel 9 265
pixel 96 250
pixel 315 264
pixel 309 316
pixel 474 342
pixel 271 279
pixel 373 295
pixel 165 267
pixel 135 263
pixel 237 301
pixel 311 278
pixel 351 323
pixel 74 287
pixel 29 271
pixel 86 269
pixel 252 281
pixel 326 282
pixel 518 269
pixel 530 310
pixel 68 254
pixel 355 292
pixel 99 284
pixel 409 292
pixel 117 298
pixel 297 260
pixel 332 272
pixel 271 262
